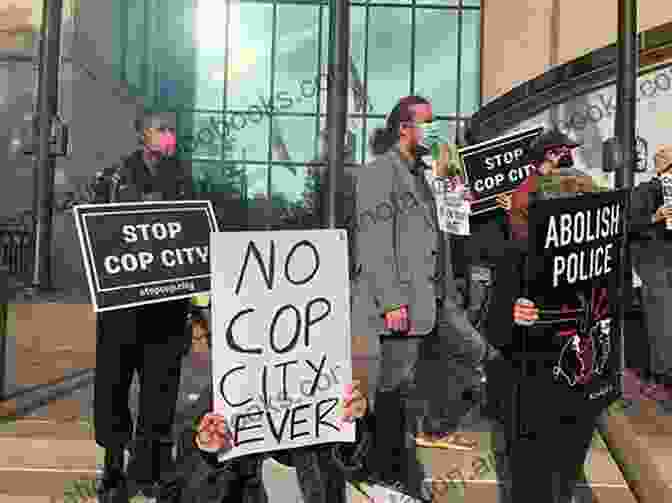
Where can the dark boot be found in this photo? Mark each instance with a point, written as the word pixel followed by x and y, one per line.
pixel 163 463
pixel 140 466
pixel 113 487
pixel 390 437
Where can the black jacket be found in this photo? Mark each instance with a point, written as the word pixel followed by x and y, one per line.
pixel 321 470
pixel 647 197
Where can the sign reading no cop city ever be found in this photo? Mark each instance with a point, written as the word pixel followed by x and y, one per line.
pixel 144 253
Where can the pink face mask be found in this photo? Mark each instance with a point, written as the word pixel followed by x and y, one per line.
pixel 167 143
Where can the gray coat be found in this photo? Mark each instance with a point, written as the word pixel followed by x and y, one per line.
pixel 399 256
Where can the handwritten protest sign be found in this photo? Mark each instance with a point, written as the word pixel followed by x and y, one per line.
pixel 497 166
pixel 144 253
pixel 281 316
pixel 574 268
pixel 452 208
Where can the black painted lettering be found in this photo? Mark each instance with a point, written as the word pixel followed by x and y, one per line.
pixel 316 262
pixel 320 415
pixel 254 424
pixel 274 431
pixel 297 329
pixel 284 375
pixel 294 422
pixel 269 274
pixel 221 388
pixel 231 342
pixel 318 373
pixel 309 316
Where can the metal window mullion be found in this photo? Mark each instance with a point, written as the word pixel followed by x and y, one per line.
pixel 458 123
pixel 269 172
pixel 320 32
pixel 145 48
pixel 413 35
pixel 123 39
pixel 225 84
pixel 367 21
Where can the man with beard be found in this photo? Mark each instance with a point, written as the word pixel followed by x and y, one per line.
pixel 546 456
pixel 404 286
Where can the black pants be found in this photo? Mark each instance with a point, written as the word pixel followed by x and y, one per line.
pixel 545 463
pixel 149 340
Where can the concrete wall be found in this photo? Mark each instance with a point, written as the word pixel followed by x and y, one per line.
pixel 517 36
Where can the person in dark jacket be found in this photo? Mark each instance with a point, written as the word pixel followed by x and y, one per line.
pixel 147 339
pixel 322 470
pixel 651 247
pixel 546 438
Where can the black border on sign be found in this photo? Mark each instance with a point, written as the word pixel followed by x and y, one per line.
pixel 547 206
pixel 97 297
pixel 480 147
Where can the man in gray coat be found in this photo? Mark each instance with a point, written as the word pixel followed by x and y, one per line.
pixel 403 282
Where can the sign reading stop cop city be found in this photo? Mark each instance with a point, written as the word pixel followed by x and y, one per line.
pixel 146 252
pixel 496 167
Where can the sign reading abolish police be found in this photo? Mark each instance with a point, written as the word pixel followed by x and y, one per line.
pixel 574 267
pixel 281 315
pixel 497 166
pixel 144 253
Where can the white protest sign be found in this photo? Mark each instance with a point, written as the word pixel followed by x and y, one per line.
pixel 281 318
pixel 452 208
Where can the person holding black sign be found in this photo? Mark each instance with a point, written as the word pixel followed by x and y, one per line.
pixel 652 259
pixel 148 339
pixel 546 460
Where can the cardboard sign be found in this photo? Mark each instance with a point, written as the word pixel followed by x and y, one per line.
pixel 574 267
pixel 144 253
pixel 281 318
pixel 496 167
pixel 451 206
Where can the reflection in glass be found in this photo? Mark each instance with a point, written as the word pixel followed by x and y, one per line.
pixel 296 76
pixel 471 62
pixel 471 3
pixel 293 139
pixel 251 30
pixel 251 133
pixel 389 58
pixel 436 58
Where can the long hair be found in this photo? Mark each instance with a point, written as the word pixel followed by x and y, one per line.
pixel 383 139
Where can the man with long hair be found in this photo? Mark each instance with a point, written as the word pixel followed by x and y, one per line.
pixel 404 285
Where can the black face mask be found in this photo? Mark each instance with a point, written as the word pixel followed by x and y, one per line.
pixel 566 162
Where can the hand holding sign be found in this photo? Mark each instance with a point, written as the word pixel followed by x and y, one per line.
pixel 213 434
pixel 525 313
pixel 396 319
pixel 355 404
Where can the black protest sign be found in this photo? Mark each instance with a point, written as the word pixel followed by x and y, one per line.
pixel 281 325
pixel 144 253
pixel 574 270
pixel 497 166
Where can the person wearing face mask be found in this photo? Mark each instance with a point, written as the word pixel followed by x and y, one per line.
pixel 546 433
pixel 651 247
pixel 148 339
pixel 403 285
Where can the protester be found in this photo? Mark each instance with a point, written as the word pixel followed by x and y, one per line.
pixel 546 462
pixel 405 286
pixel 321 470
pixel 147 339
pixel 651 247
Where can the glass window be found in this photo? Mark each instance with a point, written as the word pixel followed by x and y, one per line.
pixel 436 58
pixel 471 3
pixel 439 2
pixel 389 56
pixel 359 102
pixel 471 62
pixel 210 53
pixel 250 35
pixel 401 2
pixel 256 176
pixel 296 59
pixel 249 135
pixel 293 139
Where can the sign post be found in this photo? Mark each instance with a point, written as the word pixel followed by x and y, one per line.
pixel 143 253
pixel 282 349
